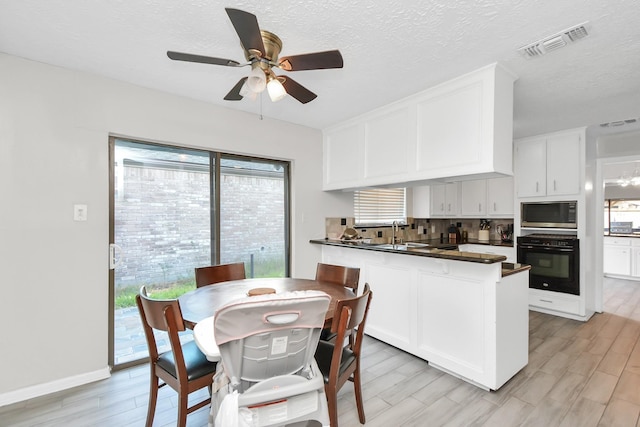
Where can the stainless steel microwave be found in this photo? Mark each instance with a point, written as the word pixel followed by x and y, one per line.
pixel 549 214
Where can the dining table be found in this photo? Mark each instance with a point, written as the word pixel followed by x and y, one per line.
pixel 199 306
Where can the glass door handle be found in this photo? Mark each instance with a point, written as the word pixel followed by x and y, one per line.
pixel 115 255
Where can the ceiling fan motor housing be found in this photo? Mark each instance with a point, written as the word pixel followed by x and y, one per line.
pixel 272 48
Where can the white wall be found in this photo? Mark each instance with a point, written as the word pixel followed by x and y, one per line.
pixel 54 127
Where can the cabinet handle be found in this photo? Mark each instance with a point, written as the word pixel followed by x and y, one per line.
pixel 442 207
pixel 494 206
pixel 479 207
pixel 449 207
pixel 546 300
pixel 554 185
pixel 536 186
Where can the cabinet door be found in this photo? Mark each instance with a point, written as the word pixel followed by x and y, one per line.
pixel 343 162
pixel 473 198
pixel 438 202
pixel 635 262
pixel 617 260
pixel 500 197
pixel 451 199
pixel 450 128
pixel 563 164
pixel 531 168
pixel 421 198
pixel 386 147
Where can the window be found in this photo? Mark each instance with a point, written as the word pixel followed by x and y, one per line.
pixel 380 206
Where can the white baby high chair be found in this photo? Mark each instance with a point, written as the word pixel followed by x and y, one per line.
pixel 268 375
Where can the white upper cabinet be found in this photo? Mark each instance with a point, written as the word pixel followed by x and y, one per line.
pixel 460 128
pixel 549 165
pixel 473 198
pixel 444 200
pixel 421 202
pixel 563 164
pixel 500 203
pixel 343 148
pixel 492 198
pixel 386 147
pixel 531 168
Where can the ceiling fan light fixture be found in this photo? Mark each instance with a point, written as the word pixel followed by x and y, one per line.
pixel 276 90
pixel 257 80
pixel 246 92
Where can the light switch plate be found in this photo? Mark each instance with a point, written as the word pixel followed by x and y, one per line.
pixel 79 212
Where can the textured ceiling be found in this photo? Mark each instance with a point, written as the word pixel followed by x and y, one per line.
pixel 391 49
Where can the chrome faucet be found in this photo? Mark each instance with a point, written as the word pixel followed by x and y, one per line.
pixel 394 230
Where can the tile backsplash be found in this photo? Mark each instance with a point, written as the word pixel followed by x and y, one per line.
pixel 415 229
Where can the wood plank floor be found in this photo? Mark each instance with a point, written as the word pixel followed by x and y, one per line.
pixel 579 374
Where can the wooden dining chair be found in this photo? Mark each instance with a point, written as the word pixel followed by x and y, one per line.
pixel 338 363
pixel 341 276
pixel 184 368
pixel 219 273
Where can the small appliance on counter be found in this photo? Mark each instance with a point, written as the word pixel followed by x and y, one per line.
pixel 505 232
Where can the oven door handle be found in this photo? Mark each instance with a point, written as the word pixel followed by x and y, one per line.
pixel 548 248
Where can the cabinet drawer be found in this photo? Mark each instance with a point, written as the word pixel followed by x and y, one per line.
pixel 618 241
pixel 555 303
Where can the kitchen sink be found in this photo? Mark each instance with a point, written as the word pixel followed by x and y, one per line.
pixel 416 246
pixel 398 246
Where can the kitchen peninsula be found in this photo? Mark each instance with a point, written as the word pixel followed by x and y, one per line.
pixel 466 313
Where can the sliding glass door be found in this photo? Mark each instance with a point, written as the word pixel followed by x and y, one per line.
pixel 254 215
pixel 168 207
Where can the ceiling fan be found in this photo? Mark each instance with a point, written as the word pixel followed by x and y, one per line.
pixel 261 49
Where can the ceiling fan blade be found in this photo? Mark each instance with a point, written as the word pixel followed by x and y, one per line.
pixel 234 94
pixel 246 25
pixel 312 61
pixel 179 56
pixel 296 90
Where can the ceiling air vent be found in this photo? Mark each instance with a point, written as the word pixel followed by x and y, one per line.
pixel 555 41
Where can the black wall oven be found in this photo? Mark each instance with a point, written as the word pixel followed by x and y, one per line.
pixel 554 261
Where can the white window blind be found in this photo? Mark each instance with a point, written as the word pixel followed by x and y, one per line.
pixel 380 206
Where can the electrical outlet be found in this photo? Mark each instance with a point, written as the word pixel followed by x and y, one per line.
pixel 343 221
pixel 379 233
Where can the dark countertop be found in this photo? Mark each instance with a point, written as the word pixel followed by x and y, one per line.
pixel 633 235
pixel 509 268
pixel 493 242
pixel 431 252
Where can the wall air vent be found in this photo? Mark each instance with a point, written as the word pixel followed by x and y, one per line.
pixel 555 41
pixel 619 123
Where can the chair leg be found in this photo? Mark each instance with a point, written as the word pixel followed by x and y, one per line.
pixel 183 402
pixel 357 388
pixel 332 403
pixel 153 397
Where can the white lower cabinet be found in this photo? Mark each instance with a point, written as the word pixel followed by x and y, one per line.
pixel 620 258
pixel 540 300
pixel 635 256
pixel 462 317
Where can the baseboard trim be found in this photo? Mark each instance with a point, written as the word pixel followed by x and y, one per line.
pixel 53 386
